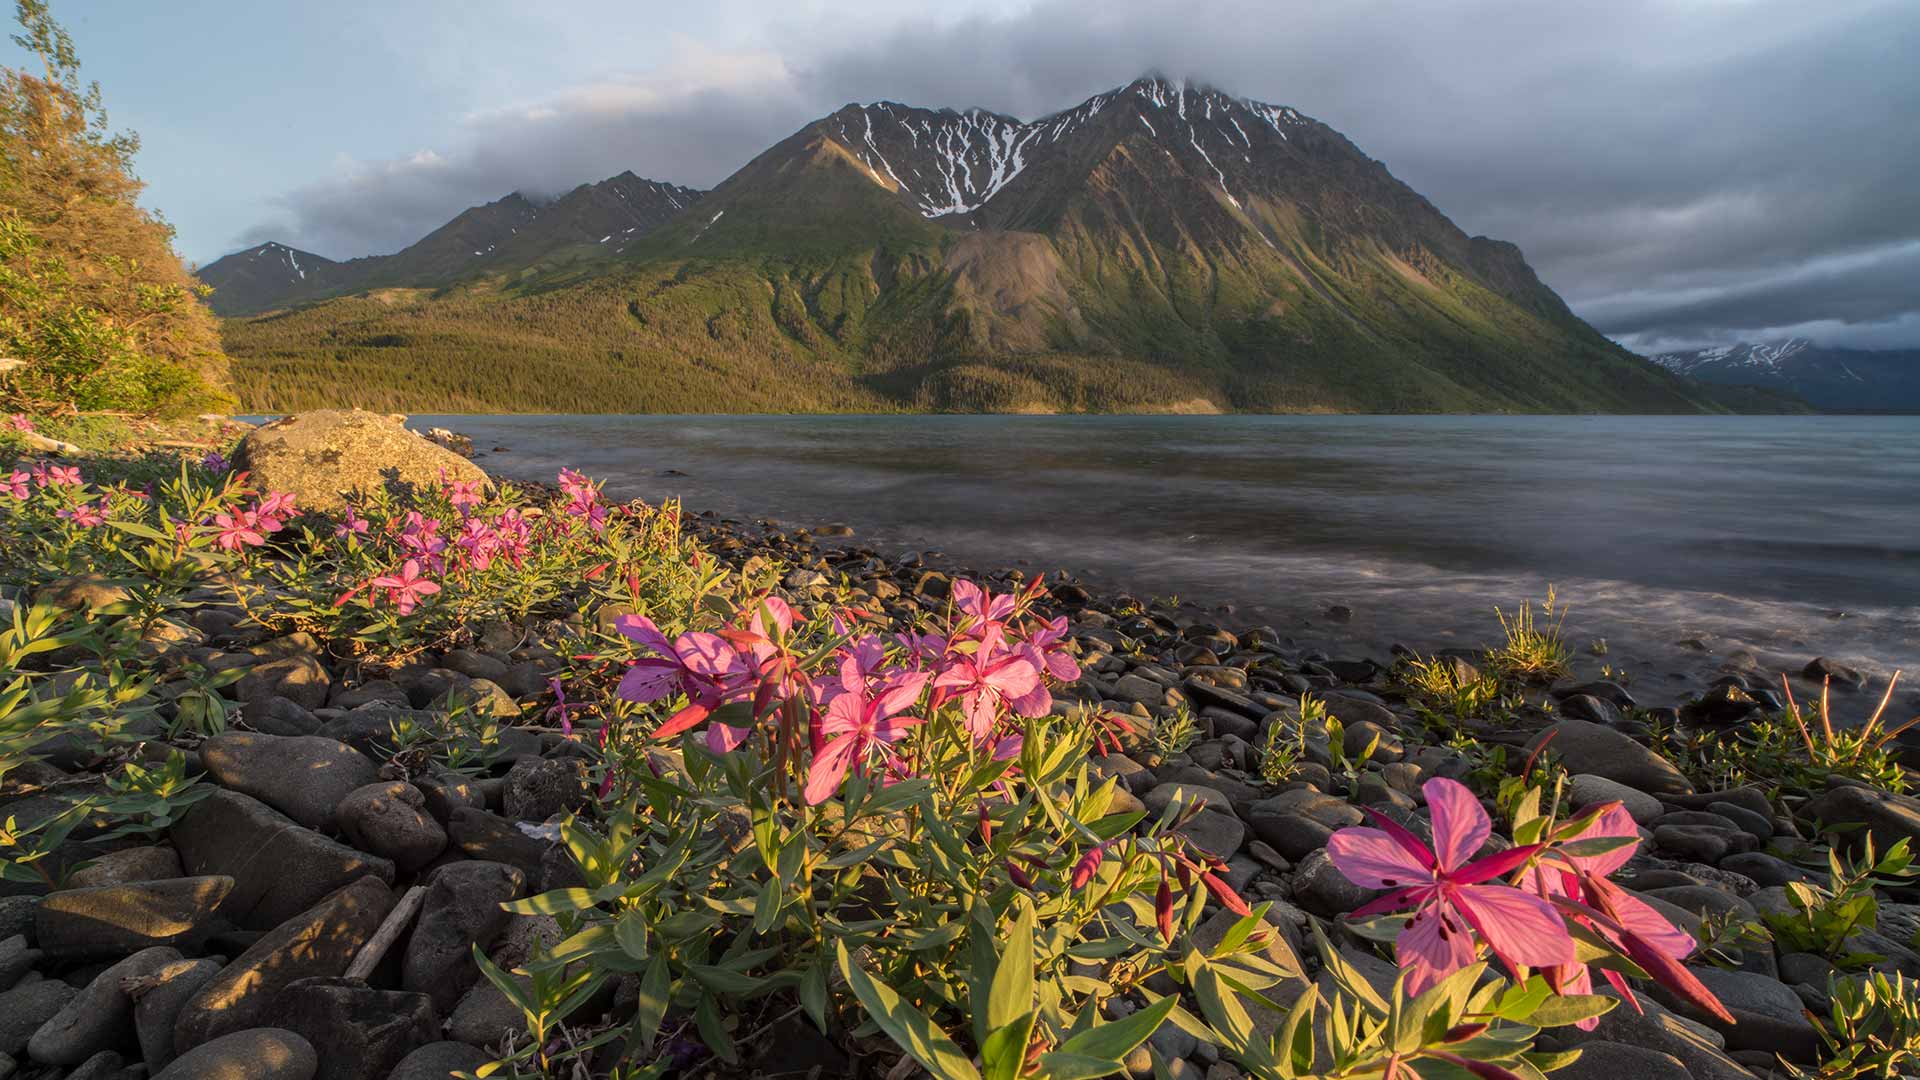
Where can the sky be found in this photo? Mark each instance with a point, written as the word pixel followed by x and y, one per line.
pixel 1683 172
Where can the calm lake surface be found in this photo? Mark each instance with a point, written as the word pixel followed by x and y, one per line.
pixel 1786 537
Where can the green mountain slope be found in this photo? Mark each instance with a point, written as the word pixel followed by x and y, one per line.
pixel 1159 247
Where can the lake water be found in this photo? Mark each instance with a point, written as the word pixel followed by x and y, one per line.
pixel 1787 537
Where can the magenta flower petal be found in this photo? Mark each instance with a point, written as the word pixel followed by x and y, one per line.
pixel 1460 825
pixel 1403 836
pixel 829 768
pixel 1373 859
pixel 1434 945
pixel 649 680
pixel 641 630
pixel 1521 930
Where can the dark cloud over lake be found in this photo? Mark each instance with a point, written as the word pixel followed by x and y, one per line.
pixel 1682 171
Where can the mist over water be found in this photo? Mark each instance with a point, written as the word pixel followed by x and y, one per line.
pixel 1788 537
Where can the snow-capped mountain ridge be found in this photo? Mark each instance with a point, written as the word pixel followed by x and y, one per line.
pixel 954 162
pixel 1854 380
pixel 1760 356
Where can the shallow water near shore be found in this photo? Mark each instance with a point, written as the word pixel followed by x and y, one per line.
pixel 1786 537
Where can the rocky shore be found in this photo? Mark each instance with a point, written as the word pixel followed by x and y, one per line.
pixel 315 912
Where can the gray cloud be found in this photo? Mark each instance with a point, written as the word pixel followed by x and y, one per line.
pixel 1680 171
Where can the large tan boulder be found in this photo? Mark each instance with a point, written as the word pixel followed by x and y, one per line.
pixel 320 456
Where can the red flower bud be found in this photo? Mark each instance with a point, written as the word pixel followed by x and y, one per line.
pixel 1089 863
pixel 1463 1032
pixel 1672 974
pixel 1163 911
pixel 1224 893
pixel 986 824
pixel 1019 876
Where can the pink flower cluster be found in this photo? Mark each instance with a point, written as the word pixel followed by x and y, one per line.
pixel 1460 902
pixel 583 500
pixel 251 527
pixel 859 710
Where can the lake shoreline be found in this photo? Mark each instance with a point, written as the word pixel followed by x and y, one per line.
pixel 1671 642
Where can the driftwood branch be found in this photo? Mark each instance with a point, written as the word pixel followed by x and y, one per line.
pixel 395 924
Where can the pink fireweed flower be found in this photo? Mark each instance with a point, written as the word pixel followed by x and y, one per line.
pixel 573 485
pixel 702 666
pixel 856 722
pixel 1447 891
pixel 1584 877
pixel 58 475
pixel 16 484
pixel 986 613
pixel 86 515
pixel 463 493
pixel 479 541
pixel 237 529
pixel 420 538
pixel 984 681
pixel 1057 661
pixel 351 525
pixel 274 510
pixel 406 588
pixel 19 422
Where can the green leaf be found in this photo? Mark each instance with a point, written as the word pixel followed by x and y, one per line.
pixel 766 906
pixel 1065 1065
pixel 713 1030
pixel 1005 1050
pixel 1571 1009
pixel 557 902
pixel 1596 846
pixel 813 993
pixel 1012 993
pixel 630 931
pixel 656 991
pixel 908 1027
pixel 722 980
pixel 1113 1041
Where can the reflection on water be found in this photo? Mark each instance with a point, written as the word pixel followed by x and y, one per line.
pixel 1740 531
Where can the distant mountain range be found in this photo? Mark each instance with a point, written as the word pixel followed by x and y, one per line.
pixel 508 234
pixel 1161 246
pixel 1843 380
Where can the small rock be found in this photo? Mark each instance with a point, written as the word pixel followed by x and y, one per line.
pixel 304 777
pixel 1593 748
pixel 1619 1061
pixel 1586 789
pixel 99 1017
pixel 357 1031
pixel 320 941
pixel 114 920
pixel 157 1007
pixel 389 820
pixel 440 1060
pixel 279 869
pixel 539 788
pixel 461 909
pixel 25 1007
pixel 151 863
pixel 1323 889
pixel 253 1054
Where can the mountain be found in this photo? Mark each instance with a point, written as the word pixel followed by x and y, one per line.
pixel 509 234
pixel 1161 246
pixel 1838 380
